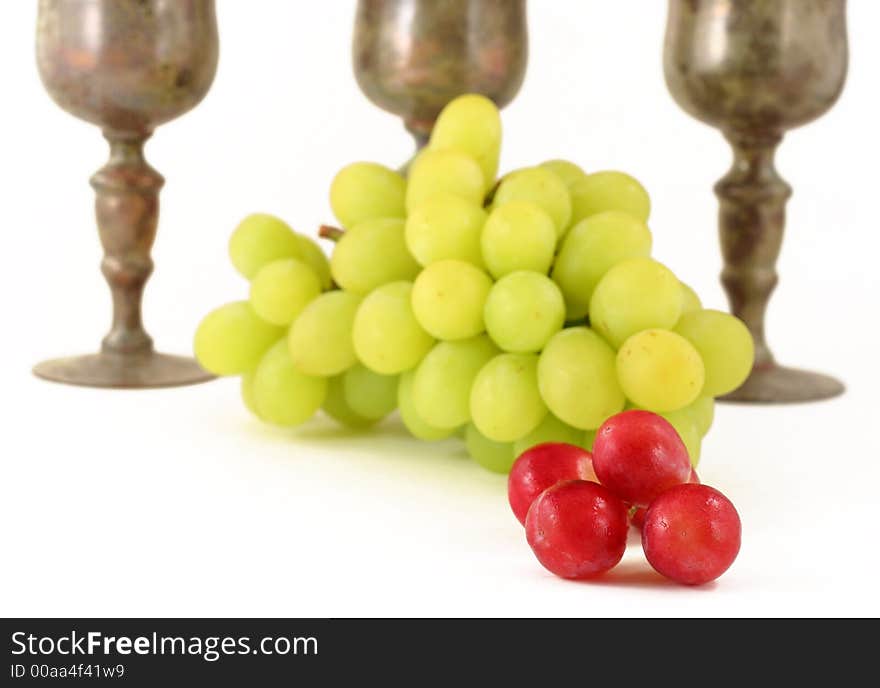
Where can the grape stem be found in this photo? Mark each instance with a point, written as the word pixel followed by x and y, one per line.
pixel 330 232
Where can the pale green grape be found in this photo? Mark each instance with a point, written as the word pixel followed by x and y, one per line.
pixel 387 337
pixel 369 394
pixel 247 392
pixel 370 254
pixel 566 170
pixel 413 422
pixel 282 394
pixel 523 310
pixel 703 412
pixel 551 429
pixel 591 248
pixel 316 259
pixel 471 124
pixel 338 409
pixel 542 187
pixel 660 370
pixel 683 422
pixel 690 302
pixel 281 289
pixel 497 457
pixel 446 171
pixel 725 345
pixel 366 191
pixel 442 385
pixel 609 190
pixel 445 226
pixel 261 239
pixel 637 294
pixel 232 339
pixel 320 339
pixel 505 402
pixel 578 380
pixel 448 298
pixel 518 235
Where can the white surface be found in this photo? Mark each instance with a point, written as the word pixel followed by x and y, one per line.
pixel 210 513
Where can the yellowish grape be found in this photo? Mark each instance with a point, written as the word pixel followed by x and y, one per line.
pixel 566 170
pixel 320 339
pixel 471 124
pixel 283 395
pixel 416 425
pixel 281 289
pixel 518 235
pixel 541 187
pixel 725 345
pixel 448 298
pixel 444 171
pixel 523 310
pixel 368 394
pixel 445 226
pixel 690 302
pixel 497 457
pixel 578 380
pixel 232 339
pixel 316 259
pixel 260 239
pixel 609 190
pixel 370 254
pixel 338 409
pixel 387 337
pixel 505 402
pixel 659 370
pixel 635 295
pixel 366 191
pixel 551 429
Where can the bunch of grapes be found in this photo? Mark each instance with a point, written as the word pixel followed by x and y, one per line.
pixel 511 313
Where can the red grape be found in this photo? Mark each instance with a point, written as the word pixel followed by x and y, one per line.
pixel 691 534
pixel 638 455
pixel 577 529
pixel 543 466
pixel 637 514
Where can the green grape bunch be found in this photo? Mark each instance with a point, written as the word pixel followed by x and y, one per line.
pixel 505 312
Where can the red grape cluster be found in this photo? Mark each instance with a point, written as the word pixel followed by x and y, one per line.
pixel 577 506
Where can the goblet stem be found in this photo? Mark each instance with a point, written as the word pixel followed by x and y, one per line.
pixel 752 199
pixel 127 210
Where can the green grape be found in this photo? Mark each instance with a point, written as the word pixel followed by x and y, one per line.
pixel 282 288
pixel 690 302
pixel 316 259
pixel 567 171
pixel 725 345
pixel 609 190
pixel 589 438
pixel 541 187
pixel 685 425
pixel 413 422
pixel 247 392
pixel 635 295
pixel 591 248
pixel 232 339
pixel 703 412
pixel 551 429
pixel 578 380
pixel 471 124
pixel 524 309
pixel 497 457
pixel 445 226
pixel 338 409
pixel 282 394
pixel 371 254
pixel 369 394
pixel 505 402
pixel 320 339
pixel 387 337
pixel 367 191
pixel 518 235
pixel 261 239
pixel 442 385
pixel 443 171
pixel 448 298
pixel 659 370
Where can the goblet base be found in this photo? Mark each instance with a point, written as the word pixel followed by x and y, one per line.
pixel 123 371
pixel 775 384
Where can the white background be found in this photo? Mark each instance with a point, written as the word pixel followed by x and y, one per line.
pixel 177 503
